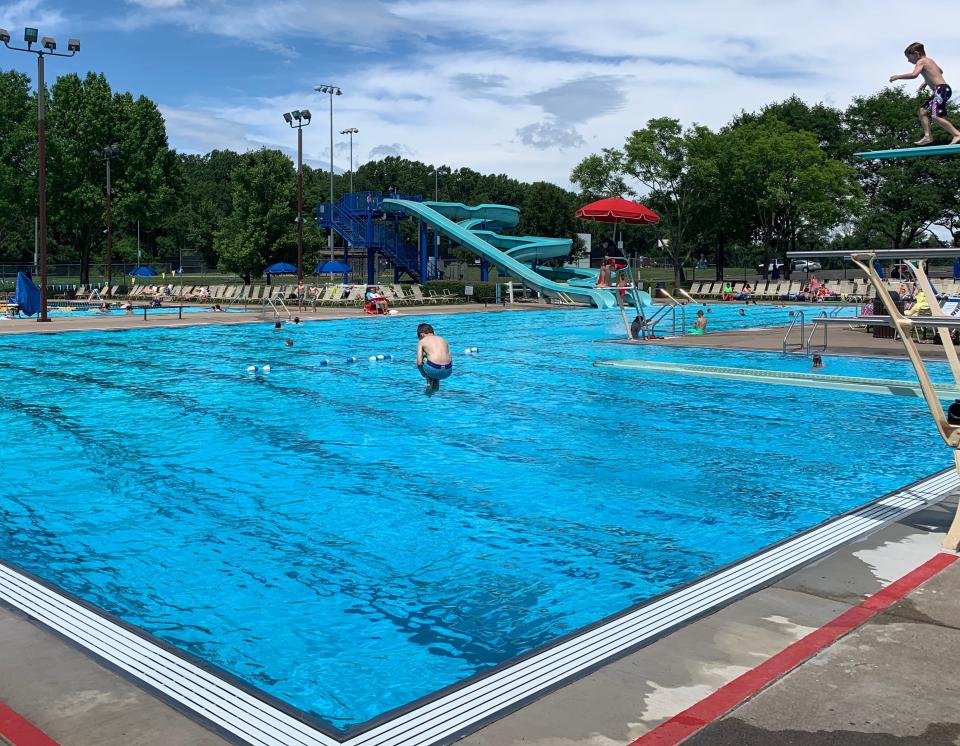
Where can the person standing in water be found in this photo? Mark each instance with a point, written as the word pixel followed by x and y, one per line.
pixel 434 360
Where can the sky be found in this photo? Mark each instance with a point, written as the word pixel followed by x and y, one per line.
pixel 526 88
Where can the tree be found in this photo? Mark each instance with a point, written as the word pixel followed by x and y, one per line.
pixel 601 176
pixel 903 197
pixel 796 192
pixel 264 205
pixel 18 136
pixel 825 122
pixel 206 199
pixel 85 117
pixel 657 157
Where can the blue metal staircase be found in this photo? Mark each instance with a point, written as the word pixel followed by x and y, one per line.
pixel 359 220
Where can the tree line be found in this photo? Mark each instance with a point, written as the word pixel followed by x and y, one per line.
pixel 781 179
pixel 235 211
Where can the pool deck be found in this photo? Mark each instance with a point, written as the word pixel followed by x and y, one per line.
pixel 890 680
pixel 255 314
pixel 841 341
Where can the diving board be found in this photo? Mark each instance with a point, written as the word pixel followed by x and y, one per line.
pixel 881 386
pixel 915 152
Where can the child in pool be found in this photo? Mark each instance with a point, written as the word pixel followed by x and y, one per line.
pixel 434 360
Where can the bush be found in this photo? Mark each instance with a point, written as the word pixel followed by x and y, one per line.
pixel 483 292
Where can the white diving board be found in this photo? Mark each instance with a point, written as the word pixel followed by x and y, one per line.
pixel 915 152
pixel 781 378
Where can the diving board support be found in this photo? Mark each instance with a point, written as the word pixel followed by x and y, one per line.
pixel 866 261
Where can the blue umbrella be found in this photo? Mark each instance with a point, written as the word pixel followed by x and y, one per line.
pixel 143 272
pixel 334 267
pixel 280 268
pixel 956 268
pixel 879 268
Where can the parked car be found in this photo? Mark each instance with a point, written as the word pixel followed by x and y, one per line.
pixel 805 265
pixel 775 264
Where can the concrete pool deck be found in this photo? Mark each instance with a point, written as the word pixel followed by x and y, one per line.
pixel 255 315
pixel 889 681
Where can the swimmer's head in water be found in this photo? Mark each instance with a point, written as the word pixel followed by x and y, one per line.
pixel 278 325
pixel 288 342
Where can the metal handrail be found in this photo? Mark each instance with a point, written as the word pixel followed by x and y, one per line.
pixel 798 316
pixel 816 322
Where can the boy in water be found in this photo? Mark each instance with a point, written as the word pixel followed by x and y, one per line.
pixel 434 360
pixel 936 107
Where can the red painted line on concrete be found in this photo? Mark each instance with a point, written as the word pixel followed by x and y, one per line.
pixel 743 687
pixel 21 732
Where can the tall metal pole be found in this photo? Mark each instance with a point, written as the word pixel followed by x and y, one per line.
pixel 42 178
pixel 299 204
pixel 30 36
pixel 351 160
pixel 109 231
pixel 330 238
pixel 436 184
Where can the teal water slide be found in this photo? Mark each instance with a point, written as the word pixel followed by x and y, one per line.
pixel 474 228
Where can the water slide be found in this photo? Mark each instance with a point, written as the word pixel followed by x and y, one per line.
pixel 470 227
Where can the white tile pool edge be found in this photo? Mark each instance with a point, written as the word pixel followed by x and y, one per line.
pixel 246 718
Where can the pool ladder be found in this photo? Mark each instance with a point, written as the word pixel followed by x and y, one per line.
pixel 276 304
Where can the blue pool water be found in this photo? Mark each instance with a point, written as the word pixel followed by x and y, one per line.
pixel 342 541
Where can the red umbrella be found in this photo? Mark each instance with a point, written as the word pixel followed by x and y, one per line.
pixel 617 210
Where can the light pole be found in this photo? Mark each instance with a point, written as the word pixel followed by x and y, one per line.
pixel 106 155
pixel 333 91
pixel 350 131
pixel 302 118
pixel 48 45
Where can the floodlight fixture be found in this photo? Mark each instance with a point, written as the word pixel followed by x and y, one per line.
pixel 30 35
pixel 296 114
pixel 305 113
pixel 48 42
pixel 288 118
pixel 73 45
pixel 4 36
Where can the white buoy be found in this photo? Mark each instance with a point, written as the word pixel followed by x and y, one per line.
pixel 381 357
pixel 393 312
pixel 266 368
pixel 251 369
pixel 471 350
pixel 372 358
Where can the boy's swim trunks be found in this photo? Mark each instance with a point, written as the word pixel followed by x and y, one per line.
pixel 437 372
pixel 937 105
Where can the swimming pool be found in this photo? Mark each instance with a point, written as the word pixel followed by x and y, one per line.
pixel 341 541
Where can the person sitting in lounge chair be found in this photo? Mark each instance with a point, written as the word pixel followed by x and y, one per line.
pixel 375 302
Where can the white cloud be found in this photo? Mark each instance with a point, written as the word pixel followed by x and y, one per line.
pixel 530 88
pixel 275 25
pixel 33 13
pixel 157 3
